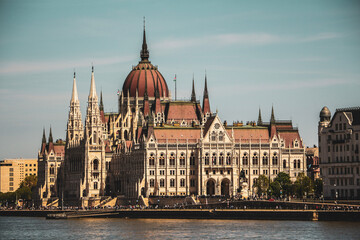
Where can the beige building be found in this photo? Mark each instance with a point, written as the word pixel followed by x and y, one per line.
pixel 14 171
pixel 339 140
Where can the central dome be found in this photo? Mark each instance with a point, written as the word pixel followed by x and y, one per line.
pixel 145 77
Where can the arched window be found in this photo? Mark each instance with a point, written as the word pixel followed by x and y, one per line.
pixel 221 159
pixel 213 136
pixel 265 159
pixel 162 182
pixel 95 185
pixel 172 159
pixel 221 136
pixel 182 159
pixel 284 163
pixel 228 159
pixel 52 169
pixel 152 182
pixel 162 159
pixel 245 159
pixel 151 160
pixel 298 163
pixel 182 182
pixel 192 159
pixel 206 158
pixel 294 163
pixel 96 165
pixel 172 182
pixel 213 159
pixel 255 159
pixel 275 159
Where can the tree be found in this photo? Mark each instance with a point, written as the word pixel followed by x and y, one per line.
pixel 274 189
pixel 285 183
pixel 262 184
pixel 318 187
pixel 303 185
pixel 26 187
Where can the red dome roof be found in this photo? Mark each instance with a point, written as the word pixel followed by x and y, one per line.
pixel 145 74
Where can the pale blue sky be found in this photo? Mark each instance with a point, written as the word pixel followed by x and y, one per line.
pixel 296 55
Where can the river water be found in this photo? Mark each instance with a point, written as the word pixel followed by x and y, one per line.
pixel 117 228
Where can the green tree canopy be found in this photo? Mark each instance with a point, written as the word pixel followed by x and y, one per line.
pixel 303 185
pixel 262 184
pixel 285 183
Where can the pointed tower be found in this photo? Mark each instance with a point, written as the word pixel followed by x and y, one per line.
pixel 101 106
pixel 74 126
pixel 259 121
pixel 157 98
pixel 193 96
pixel 144 53
pixel 95 172
pixel 43 142
pixel 51 142
pixel 206 103
pixel 272 119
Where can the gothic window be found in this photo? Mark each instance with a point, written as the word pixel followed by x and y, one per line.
pixel 182 182
pixel 192 182
pixel 95 185
pixel 151 160
pixel 298 163
pixel 162 159
pixel 96 165
pixel 192 159
pixel 213 159
pixel 255 159
pixel 172 159
pixel 265 159
pixel 221 159
pixel 206 158
pixel 152 182
pixel 52 169
pixel 294 163
pixel 275 159
pixel 245 159
pixel 284 163
pixel 221 136
pixel 162 182
pixel 172 182
pixel 182 159
pixel 228 159
pixel 213 136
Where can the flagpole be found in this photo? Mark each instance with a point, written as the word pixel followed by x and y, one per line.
pixel 175 86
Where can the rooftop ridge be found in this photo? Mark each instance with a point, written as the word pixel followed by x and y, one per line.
pixel 347 109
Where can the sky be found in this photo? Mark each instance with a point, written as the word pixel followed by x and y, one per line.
pixel 297 56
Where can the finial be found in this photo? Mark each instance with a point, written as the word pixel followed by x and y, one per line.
pixel 272 120
pixel 193 96
pixel 92 67
pixel 50 136
pixel 144 23
pixel 144 53
pixel 259 122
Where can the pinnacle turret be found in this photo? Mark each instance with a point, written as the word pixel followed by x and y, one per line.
pixel 43 137
pixel 50 136
pixel 193 96
pixel 259 121
pixel 74 96
pixel 92 93
pixel 272 120
pixel 101 107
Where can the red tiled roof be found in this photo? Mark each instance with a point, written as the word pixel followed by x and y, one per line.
pixel 182 111
pixel 245 134
pixel 289 137
pixel 177 134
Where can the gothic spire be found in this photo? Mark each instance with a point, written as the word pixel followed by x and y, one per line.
pixel 206 95
pixel 92 93
pixel 146 96
pixel 272 120
pixel 259 122
pixel 43 137
pixel 193 96
pixel 74 96
pixel 50 136
pixel 144 53
pixel 101 107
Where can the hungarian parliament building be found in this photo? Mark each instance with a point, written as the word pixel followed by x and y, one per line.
pixel 157 146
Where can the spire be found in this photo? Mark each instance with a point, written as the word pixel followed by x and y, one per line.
pixel 43 137
pixel 206 95
pixel 144 53
pixel 259 122
pixel 193 96
pixel 50 136
pixel 146 96
pixel 157 91
pixel 92 93
pixel 272 120
pixel 74 96
pixel 101 107
pixel 206 103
